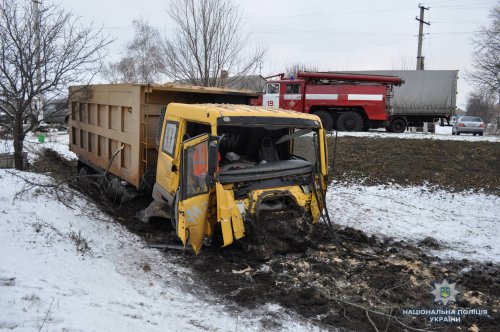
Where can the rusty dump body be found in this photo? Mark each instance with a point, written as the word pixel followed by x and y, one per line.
pixel 110 117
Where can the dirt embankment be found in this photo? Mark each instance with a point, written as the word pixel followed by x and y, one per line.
pixel 451 165
pixel 366 285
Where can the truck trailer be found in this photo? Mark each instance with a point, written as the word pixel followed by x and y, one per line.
pixel 343 101
pixel 210 167
pixel 426 96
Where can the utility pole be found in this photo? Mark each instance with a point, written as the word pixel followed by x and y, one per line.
pixel 420 58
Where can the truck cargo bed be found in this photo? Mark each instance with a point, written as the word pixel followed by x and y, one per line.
pixel 124 117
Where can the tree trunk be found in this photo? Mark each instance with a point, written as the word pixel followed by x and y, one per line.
pixel 18 142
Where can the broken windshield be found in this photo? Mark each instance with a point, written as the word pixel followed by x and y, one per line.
pixel 246 150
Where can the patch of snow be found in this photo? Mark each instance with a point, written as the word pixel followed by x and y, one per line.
pixel 419 135
pixel 119 285
pixel 466 224
pixel 55 140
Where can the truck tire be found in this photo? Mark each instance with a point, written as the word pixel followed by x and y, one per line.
pixel 389 129
pixel 350 121
pixel 326 119
pixel 398 125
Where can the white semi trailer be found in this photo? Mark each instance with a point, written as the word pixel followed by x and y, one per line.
pixel 426 96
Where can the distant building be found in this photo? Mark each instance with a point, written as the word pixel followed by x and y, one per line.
pixel 460 111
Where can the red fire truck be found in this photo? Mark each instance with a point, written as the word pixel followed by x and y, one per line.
pixel 346 102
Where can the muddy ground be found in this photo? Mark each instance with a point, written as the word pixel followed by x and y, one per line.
pixel 359 283
pixel 451 165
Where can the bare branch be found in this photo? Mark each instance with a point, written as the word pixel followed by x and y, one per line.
pixel 143 61
pixel 206 42
pixel 390 316
pixel 41 54
pixel 373 324
pixel 481 104
pixel 486 56
pixel 294 68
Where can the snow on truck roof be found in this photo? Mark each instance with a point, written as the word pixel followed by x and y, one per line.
pixel 217 111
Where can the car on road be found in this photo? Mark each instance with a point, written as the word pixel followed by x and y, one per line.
pixel 468 124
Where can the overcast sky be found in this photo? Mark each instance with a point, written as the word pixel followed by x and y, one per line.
pixel 330 35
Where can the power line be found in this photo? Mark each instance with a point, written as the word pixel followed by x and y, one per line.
pixel 333 14
pixel 316 32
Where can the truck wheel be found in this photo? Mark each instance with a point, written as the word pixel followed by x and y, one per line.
pixel 326 119
pixel 350 121
pixel 388 129
pixel 398 125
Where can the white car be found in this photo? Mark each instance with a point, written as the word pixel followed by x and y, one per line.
pixel 468 124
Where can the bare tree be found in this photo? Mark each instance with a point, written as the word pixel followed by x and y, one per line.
pixel 403 62
pixel 207 43
pixel 486 56
pixel 143 62
pixel 293 69
pixel 482 105
pixel 42 52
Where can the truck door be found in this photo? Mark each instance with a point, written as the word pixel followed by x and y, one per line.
pixel 292 97
pixel 271 97
pixel 194 192
pixel 318 202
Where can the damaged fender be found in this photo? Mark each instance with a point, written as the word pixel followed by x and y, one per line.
pixel 229 216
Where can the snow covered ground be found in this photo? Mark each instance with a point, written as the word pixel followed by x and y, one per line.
pixel 446 135
pixel 466 224
pixel 116 285
pixel 55 140
pixel 119 285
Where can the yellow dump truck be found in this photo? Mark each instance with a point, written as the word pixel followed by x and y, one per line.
pixel 210 167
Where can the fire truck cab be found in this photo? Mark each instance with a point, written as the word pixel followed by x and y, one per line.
pixel 346 102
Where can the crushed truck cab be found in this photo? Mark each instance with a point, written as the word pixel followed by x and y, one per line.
pixel 220 166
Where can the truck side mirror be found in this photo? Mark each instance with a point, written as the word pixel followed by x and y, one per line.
pixel 213 156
